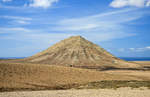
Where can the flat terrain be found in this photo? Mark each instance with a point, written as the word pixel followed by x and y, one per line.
pixel 19 76
pixel 144 75
pixel 26 76
pixel 23 78
pixel 122 92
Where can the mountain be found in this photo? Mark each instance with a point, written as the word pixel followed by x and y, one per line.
pixel 77 51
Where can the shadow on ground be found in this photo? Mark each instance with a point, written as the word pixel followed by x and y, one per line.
pixel 107 68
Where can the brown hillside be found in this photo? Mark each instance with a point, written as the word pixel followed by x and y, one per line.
pixel 77 51
pixel 37 76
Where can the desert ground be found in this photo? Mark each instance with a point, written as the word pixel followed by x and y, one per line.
pixel 37 80
pixel 25 76
pixel 122 92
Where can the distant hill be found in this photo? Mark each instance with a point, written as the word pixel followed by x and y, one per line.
pixel 77 51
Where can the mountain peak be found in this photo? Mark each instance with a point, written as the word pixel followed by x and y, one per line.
pixel 73 41
pixel 75 38
pixel 78 37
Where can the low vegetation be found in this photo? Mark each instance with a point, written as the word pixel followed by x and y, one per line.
pixel 115 84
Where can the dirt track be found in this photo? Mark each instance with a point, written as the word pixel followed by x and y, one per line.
pixel 124 92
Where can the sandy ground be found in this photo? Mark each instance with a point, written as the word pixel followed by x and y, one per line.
pixel 145 75
pixel 147 63
pixel 122 92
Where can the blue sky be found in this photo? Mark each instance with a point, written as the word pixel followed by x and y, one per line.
pixel 120 26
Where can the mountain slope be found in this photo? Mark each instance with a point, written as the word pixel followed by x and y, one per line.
pixel 77 51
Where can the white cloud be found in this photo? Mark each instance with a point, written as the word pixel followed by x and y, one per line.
pixel 124 3
pixel 148 47
pixel 6 0
pixel 132 49
pixel 142 49
pixel 22 22
pixel 42 3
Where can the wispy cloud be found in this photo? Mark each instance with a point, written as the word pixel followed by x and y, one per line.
pixel 32 35
pixel 6 0
pixel 99 27
pixel 103 26
pixel 142 49
pixel 101 21
pixel 16 30
pixel 135 3
pixel 18 19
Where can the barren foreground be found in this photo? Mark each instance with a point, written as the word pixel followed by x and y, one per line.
pixel 19 76
pixel 122 92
